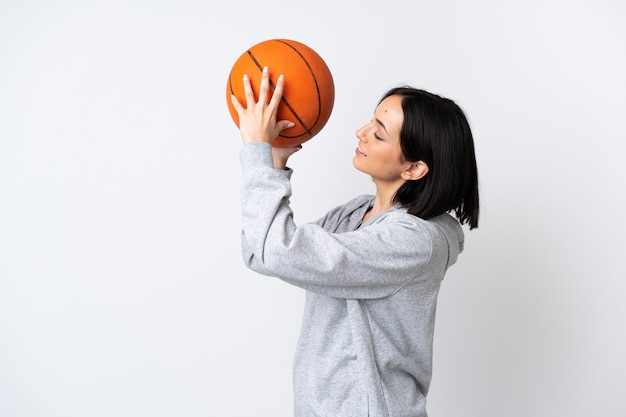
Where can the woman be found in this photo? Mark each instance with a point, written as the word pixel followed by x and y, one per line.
pixel 372 267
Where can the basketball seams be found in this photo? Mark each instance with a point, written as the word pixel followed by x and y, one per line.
pixel 308 130
pixel 306 63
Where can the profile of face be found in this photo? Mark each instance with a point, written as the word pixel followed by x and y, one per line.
pixel 379 153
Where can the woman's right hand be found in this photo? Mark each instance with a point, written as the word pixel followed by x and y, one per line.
pixel 281 155
pixel 257 121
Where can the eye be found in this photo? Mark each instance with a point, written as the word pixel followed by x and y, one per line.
pixel 377 137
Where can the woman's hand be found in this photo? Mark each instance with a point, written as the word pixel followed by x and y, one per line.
pixel 281 155
pixel 257 122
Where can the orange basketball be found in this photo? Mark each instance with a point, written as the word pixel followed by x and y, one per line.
pixel 308 92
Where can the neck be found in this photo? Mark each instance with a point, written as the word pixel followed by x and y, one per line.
pixel 380 206
pixel 382 202
pixel 384 195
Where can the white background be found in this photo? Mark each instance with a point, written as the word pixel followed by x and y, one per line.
pixel 122 290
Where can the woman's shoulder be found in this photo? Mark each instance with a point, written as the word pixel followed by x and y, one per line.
pixel 442 231
pixel 443 225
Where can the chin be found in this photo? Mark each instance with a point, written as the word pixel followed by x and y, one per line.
pixel 355 163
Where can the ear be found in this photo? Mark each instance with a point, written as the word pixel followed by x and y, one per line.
pixel 415 171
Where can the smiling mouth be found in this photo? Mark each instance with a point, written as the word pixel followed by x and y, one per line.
pixel 359 151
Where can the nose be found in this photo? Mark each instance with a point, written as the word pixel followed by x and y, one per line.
pixel 360 133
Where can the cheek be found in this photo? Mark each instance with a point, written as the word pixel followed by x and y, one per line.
pixel 394 162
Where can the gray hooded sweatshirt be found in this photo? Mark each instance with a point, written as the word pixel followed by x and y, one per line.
pixel 366 343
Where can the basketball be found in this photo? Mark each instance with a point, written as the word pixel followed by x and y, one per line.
pixel 308 91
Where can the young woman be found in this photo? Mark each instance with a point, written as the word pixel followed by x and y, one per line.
pixel 372 267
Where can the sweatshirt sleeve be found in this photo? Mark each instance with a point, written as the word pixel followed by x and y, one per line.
pixel 372 262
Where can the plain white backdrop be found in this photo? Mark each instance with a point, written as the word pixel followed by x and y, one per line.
pixel 122 290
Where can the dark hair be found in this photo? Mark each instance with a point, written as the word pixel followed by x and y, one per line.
pixel 436 131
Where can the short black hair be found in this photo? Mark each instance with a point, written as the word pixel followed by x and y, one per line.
pixel 436 131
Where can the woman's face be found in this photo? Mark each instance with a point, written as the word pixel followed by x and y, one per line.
pixel 378 153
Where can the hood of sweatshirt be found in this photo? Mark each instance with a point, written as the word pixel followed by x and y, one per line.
pixel 453 233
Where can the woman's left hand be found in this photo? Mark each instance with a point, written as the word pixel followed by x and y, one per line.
pixel 257 122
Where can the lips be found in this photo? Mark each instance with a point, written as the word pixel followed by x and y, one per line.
pixel 359 151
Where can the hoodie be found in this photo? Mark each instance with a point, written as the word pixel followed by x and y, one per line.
pixel 366 342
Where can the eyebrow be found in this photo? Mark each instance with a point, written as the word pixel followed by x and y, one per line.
pixel 382 125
